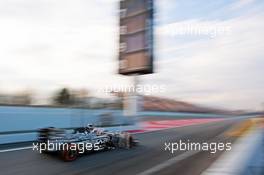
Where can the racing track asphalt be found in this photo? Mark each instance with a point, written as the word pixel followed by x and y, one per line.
pixel 148 158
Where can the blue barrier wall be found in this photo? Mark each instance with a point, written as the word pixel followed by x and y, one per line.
pixel 15 118
pixel 32 118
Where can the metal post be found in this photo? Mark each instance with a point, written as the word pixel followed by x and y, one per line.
pixel 131 105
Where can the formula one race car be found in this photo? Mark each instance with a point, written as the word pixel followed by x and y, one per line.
pixel 82 140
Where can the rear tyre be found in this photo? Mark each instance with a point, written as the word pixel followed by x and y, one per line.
pixel 69 155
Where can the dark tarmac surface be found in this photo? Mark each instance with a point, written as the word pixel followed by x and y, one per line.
pixel 148 158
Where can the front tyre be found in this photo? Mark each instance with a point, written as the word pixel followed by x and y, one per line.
pixel 125 141
pixel 130 143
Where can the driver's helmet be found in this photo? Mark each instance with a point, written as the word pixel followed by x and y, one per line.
pixel 89 127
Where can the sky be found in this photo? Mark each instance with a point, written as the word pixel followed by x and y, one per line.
pixel 206 52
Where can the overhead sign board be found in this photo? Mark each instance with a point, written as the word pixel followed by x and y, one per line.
pixel 136 37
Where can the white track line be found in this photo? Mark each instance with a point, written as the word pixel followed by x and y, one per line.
pixel 173 160
pixel 15 149
pixel 168 163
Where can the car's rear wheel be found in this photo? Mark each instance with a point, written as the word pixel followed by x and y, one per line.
pixel 69 155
